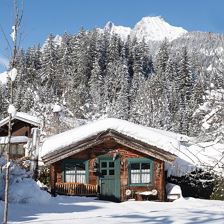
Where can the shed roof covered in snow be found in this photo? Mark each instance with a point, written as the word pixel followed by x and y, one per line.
pixel 190 153
pixel 155 143
pixel 22 117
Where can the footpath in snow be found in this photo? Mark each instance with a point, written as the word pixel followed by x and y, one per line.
pixel 84 210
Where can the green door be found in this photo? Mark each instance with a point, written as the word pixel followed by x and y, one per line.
pixel 110 179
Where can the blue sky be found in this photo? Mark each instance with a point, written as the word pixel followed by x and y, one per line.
pixel 42 17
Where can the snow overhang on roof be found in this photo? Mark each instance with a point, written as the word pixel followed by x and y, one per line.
pixel 22 117
pixel 14 139
pixel 152 138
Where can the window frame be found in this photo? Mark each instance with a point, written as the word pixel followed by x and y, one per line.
pixel 140 161
pixel 108 168
pixel 75 161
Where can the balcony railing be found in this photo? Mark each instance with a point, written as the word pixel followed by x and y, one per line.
pixel 76 189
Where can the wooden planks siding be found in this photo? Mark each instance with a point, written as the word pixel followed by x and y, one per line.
pixel 109 149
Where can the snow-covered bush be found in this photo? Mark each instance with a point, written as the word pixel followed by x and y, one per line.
pixel 44 176
pixel 218 191
pixel 22 188
pixel 197 184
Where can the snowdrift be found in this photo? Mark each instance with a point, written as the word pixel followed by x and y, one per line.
pixel 22 188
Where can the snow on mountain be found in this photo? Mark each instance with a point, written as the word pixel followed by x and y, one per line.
pixel 122 31
pixel 149 28
pixel 156 29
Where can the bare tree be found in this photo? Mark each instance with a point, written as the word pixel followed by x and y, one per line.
pixel 12 73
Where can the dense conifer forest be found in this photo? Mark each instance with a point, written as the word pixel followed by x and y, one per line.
pixel 167 85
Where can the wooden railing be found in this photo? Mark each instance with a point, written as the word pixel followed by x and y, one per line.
pixel 76 189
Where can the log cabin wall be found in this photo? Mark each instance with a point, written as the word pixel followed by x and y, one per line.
pixel 108 149
pixel 19 128
pixel 53 176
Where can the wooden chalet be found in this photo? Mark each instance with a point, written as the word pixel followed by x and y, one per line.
pixel 22 125
pixel 103 159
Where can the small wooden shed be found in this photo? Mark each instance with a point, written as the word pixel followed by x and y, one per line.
pixel 107 158
pixel 22 125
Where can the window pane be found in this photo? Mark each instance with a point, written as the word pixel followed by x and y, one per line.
pixel 104 172
pixel 81 178
pixel 140 173
pixel 81 172
pixel 135 173
pixel 21 150
pixel 145 167
pixel 111 164
pixel 75 172
pixel 70 178
pixel 145 178
pixel 104 164
pixel 13 150
pixel 70 168
pixel 135 178
pixel 111 172
pixel 135 166
pixel 80 166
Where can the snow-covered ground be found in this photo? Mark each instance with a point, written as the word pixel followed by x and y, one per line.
pixel 64 210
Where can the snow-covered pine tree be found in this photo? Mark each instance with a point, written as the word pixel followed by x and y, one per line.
pixel 48 72
pixel 121 103
pixel 172 94
pixel 185 90
pixel 96 90
pixel 159 86
pixel 142 109
pixel 138 73
pixel 111 73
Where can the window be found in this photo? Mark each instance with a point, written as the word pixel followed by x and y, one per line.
pixel 107 168
pixel 75 171
pixel 17 149
pixel 140 171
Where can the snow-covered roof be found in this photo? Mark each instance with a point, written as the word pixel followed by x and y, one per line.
pixel 190 154
pixel 14 139
pixel 147 135
pixel 22 117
